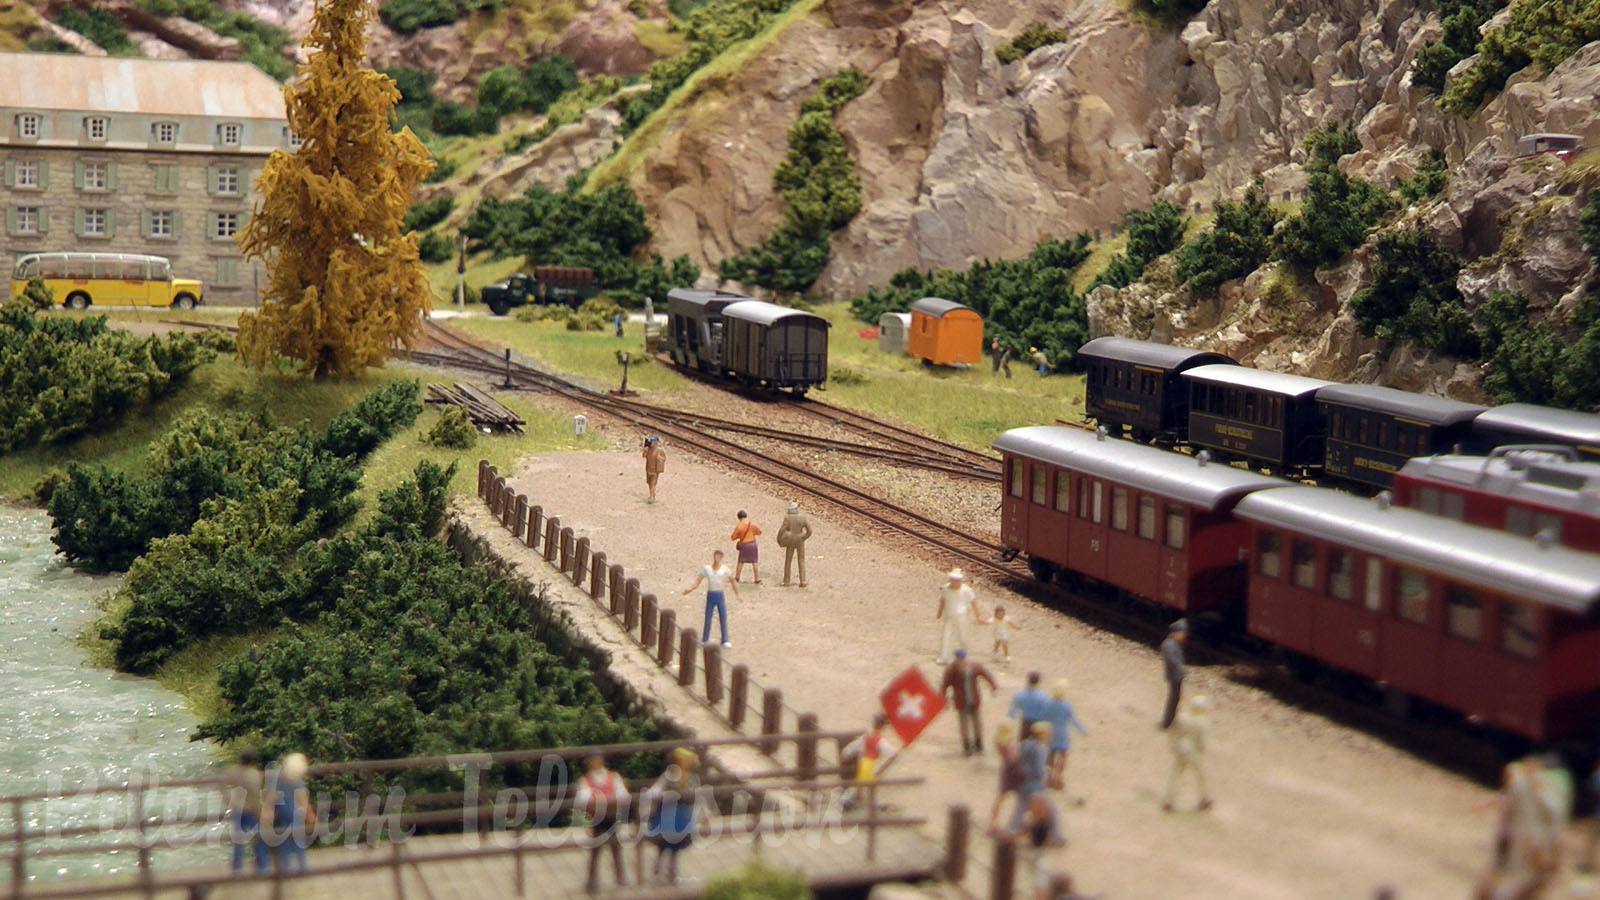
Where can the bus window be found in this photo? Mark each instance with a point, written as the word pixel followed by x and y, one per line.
pixel 79 268
pixel 28 268
pixel 160 270
pixel 53 266
pixel 133 270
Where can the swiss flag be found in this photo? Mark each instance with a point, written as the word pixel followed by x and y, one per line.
pixel 910 703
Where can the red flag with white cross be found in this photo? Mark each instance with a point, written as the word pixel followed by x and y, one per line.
pixel 910 703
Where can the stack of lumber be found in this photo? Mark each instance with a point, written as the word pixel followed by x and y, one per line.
pixel 482 409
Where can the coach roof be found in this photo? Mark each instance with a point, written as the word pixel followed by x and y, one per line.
pixel 936 306
pixel 1160 472
pixel 1257 379
pixel 1404 404
pixel 1543 421
pixel 763 313
pixel 1149 353
pixel 1494 560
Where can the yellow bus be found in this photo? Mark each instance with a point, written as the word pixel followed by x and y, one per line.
pixel 107 279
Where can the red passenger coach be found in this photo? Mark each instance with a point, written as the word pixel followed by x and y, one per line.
pixel 1523 490
pixel 1496 626
pixel 1149 521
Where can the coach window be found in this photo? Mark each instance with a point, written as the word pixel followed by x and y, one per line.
pixel 1063 492
pixel 1147 518
pixel 1411 596
pixel 1403 440
pixel 1363 430
pixel 1097 492
pixel 1429 502
pixel 1463 612
pixel 1119 508
pixel 1372 592
pixel 1519 629
pixel 1304 572
pixel 1041 484
pixel 1251 402
pixel 1341 573
pixel 1336 425
pixel 1016 478
pixel 1267 553
pixel 1383 436
pixel 1175 527
pixel 1453 506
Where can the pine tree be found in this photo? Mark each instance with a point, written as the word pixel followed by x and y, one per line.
pixel 345 282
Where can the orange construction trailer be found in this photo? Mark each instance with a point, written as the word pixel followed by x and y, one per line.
pixel 945 333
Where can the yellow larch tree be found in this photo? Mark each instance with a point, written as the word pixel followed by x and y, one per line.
pixel 345 285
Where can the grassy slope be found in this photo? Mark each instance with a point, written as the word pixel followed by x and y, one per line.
pixel 591 355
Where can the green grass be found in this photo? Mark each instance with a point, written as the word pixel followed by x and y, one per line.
pixel 481 270
pixel 657 39
pixel 1101 253
pixel 192 672
pixel 968 406
pixel 590 354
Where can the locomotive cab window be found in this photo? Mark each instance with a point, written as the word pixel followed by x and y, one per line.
pixel 1063 491
pixel 1304 572
pixel 1040 478
pixel 1119 509
pixel 1147 518
pixel 1341 573
pixel 1519 629
pixel 1016 477
pixel 1411 596
pixel 1463 612
pixel 1267 549
pixel 1175 527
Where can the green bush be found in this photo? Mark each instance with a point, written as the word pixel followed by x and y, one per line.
pixel 1540 363
pixel 100 26
pixel 1238 241
pixel 1338 211
pixel 406 16
pixel 1589 224
pixel 1413 296
pixel 262 43
pixel 1430 180
pixel 1541 33
pixel 38 295
pixel 757 880
pixel 415 85
pixel 709 28
pixel 452 118
pixel 500 90
pixel 1032 38
pixel 442 170
pixel 50 44
pixel 453 430
pixel 1025 303
pixel 435 248
pixel 429 214
pixel 1460 20
pixel 544 80
pixel 1151 233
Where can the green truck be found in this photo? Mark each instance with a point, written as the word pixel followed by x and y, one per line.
pixel 566 285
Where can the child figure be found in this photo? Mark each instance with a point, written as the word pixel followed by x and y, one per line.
pixel 1002 633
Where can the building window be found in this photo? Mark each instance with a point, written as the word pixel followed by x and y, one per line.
pixel 95 127
pixel 1411 596
pixel 227 225
pixel 1063 492
pixel 28 125
pixel 95 176
pixel 161 223
pixel 1372 592
pixel 1119 508
pixel 166 178
pixel 94 223
pixel 227 179
pixel 25 220
pixel 1519 629
pixel 1040 477
pixel 228 133
pixel 1304 570
pixel 165 132
pixel 1267 550
pixel 1341 573
pixel 289 137
pixel 27 173
pixel 1463 612
pixel 228 272
pixel 1147 518
pixel 1016 477
pixel 1175 522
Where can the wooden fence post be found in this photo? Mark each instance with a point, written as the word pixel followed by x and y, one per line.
pixel 1004 874
pixel 669 632
pixel 498 504
pixel 483 478
pixel 630 604
pixel 713 673
pixel 519 519
pixel 806 747
pixel 580 561
pixel 771 717
pixel 955 843
pixel 597 575
pixel 648 611
pixel 508 506
pixel 552 538
pixel 535 523
pixel 686 642
pixel 566 550
pixel 738 694
pixel 619 589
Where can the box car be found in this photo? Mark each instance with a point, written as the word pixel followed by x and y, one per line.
pixel 1268 417
pixel 1520 490
pixel 774 346
pixel 1146 520
pixel 893 328
pixel 1496 626
pixel 1373 430
pixel 945 333
pixel 694 327
pixel 1135 384
pixel 1526 423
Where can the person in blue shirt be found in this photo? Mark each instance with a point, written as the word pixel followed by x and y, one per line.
pixel 1029 704
pixel 1058 712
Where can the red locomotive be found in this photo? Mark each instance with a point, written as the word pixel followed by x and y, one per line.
pixel 1523 490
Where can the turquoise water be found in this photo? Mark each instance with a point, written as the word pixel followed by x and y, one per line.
pixel 67 724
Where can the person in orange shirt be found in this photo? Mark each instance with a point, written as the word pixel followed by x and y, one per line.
pixel 744 538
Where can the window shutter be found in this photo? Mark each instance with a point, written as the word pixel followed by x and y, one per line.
pixel 77 222
pixel 44 174
pixel 177 222
pixel 144 223
pixel 172 178
pixel 111 176
pixel 211 179
pixel 11 217
pixel 44 220
pixel 111 222
pixel 211 226
pixel 77 174
pixel 11 173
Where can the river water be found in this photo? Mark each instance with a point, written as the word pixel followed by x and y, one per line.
pixel 66 724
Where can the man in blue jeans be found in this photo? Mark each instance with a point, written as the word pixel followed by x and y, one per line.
pixel 717 579
pixel 241 787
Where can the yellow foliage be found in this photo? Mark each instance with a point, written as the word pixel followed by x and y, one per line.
pixel 345 284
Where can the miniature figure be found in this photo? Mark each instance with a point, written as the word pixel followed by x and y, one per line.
pixel 616 322
pixel 1005 744
pixel 716 577
pixel 655 462
pixel 287 818
pixel 1040 361
pixel 674 811
pixel 1188 735
pixel 958 607
pixel 1002 633
pixel 1034 754
pixel 1002 357
pixel 961 687
pixel 241 788
pixel 1173 667
pixel 792 537
pixel 603 797
pixel 871 752
pixel 1040 824
pixel 1029 705
pixel 1059 714
pixel 744 539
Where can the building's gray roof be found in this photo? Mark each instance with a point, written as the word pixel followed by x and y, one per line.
pixel 113 84
pixel 1149 353
pixel 763 313
pixel 1420 407
pixel 1531 475
pixel 1162 472
pixel 1257 379
pixel 1494 560
pixel 1544 422
pixel 935 306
